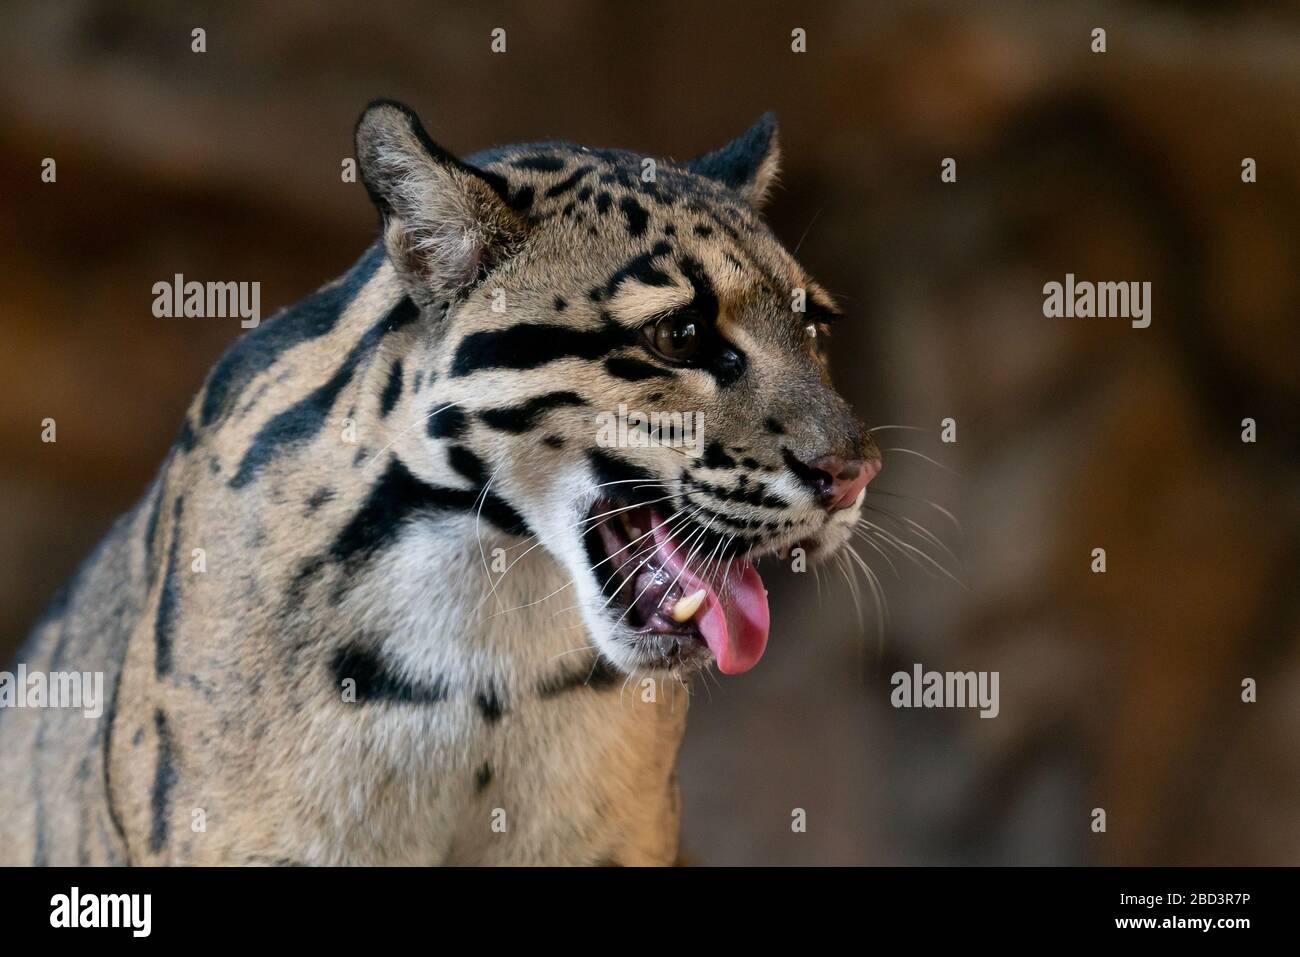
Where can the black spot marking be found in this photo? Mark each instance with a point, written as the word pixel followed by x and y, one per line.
pixel 260 348
pixel 319 498
pixel 642 269
pixel 450 423
pixel 482 778
pixel 419 380
pixel 806 473
pixel 168 600
pixel 705 300
pixel 542 164
pixel 705 231
pixel 560 304
pixel 634 370
pixel 308 570
pixel 532 345
pixel 150 528
pixel 603 200
pixel 773 426
pixel 114 816
pixel 489 704
pixel 185 437
pixel 750 463
pixel 304 419
pixel 392 390
pixel 376 682
pixel 716 457
pixel 610 469
pixel 744 524
pixel 749 494
pixel 467 464
pixel 637 217
pixel 164 779
pixel 397 498
pixel 566 184
pixel 554 441
pixel 522 199
pixel 521 418
pixel 40 853
pixel 728 363
pixel 597 676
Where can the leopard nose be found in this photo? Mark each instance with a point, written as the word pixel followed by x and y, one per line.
pixel 837 482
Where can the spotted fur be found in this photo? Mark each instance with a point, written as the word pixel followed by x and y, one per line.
pixel 351 680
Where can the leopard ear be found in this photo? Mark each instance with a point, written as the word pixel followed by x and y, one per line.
pixel 748 164
pixel 445 223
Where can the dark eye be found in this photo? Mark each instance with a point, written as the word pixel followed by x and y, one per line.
pixel 676 338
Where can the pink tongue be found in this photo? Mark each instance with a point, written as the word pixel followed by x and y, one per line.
pixel 735 623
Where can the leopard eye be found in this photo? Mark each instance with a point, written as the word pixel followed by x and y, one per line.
pixel 676 338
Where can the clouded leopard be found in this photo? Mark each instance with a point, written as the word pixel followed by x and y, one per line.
pixel 436 619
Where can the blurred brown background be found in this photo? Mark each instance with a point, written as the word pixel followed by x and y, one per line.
pixel 1119 691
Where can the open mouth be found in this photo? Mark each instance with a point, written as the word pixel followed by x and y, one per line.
pixel 712 603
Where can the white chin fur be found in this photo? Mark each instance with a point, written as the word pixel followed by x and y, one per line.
pixel 561 534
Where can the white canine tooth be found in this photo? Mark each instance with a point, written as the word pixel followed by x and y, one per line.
pixel 634 531
pixel 686 608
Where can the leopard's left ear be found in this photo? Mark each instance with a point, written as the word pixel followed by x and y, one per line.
pixel 748 164
pixel 445 222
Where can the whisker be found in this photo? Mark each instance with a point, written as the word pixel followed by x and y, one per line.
pixel 899 543
pixel 913 498
pixel 841 561
pixel 878 550
pixel 416 424
pixel 478 529
pixel 922 455
pixel 919 530
pixel 878 592
pixel 806 230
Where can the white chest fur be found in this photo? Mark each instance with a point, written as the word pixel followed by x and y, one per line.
pixel 532 755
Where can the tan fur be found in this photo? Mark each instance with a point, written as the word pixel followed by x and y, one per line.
pixel 238 721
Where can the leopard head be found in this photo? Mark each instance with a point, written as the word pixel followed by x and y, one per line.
pixel 629 360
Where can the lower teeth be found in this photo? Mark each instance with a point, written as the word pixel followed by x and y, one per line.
pixel 687 606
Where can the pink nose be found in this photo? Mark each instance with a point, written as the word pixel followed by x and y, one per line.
pixel 838 482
